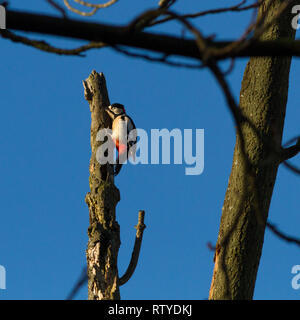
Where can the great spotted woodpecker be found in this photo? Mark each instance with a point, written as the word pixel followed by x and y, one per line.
pixel 123 134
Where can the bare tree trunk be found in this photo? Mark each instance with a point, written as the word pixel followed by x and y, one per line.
pixel 104 231
pixel 263 100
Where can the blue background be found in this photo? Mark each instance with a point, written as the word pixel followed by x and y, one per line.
pixel 44 160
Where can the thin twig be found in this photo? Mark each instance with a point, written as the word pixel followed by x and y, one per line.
pixel 99 6
pixel 211 246
pixel 230 68
pixel 236 8
pixel 259 26
pixel 282 235
pixel 58 7
pixel 82 280
pixel 290 152
pixel 162 59
pixel 166 3
pixel 291 167
pixel 140 227
pixel 95 7
pixel 44 46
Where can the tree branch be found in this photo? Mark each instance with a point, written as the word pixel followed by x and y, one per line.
pixel 290 152
pixel 140 227
pixel 236 8
pixel 166 3
pixel 57 7
pixel 79 283
pixel 163 59
pixel 95 7
pixel 44 46
pixel 292 167
pixel 118 35
pixel 282 235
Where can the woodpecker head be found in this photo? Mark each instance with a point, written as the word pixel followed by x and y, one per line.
pixel 115 110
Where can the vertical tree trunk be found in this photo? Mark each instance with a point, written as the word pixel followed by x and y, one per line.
pixel 103 232
pixel 263 99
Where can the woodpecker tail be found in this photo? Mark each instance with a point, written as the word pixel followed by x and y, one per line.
pixel 118 167
pixel 122 151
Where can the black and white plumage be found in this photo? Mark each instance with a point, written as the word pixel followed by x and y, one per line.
pixel 123 134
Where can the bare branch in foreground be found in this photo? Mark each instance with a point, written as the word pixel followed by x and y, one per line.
pixel 290 152
pixel 282 235
pixel 82 280
pixel 57 7
pixel 95 7
pixel 236 8
pixel 291 167
pixel 166 3
pixel 211 246
pixel 163 59
pixel 140 227
pixel 44 46
pixel 165 44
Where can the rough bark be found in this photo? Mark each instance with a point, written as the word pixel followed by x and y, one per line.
pixel 103 232
pixel 263 99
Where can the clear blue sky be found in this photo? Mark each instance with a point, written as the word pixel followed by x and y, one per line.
pixel 44 160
